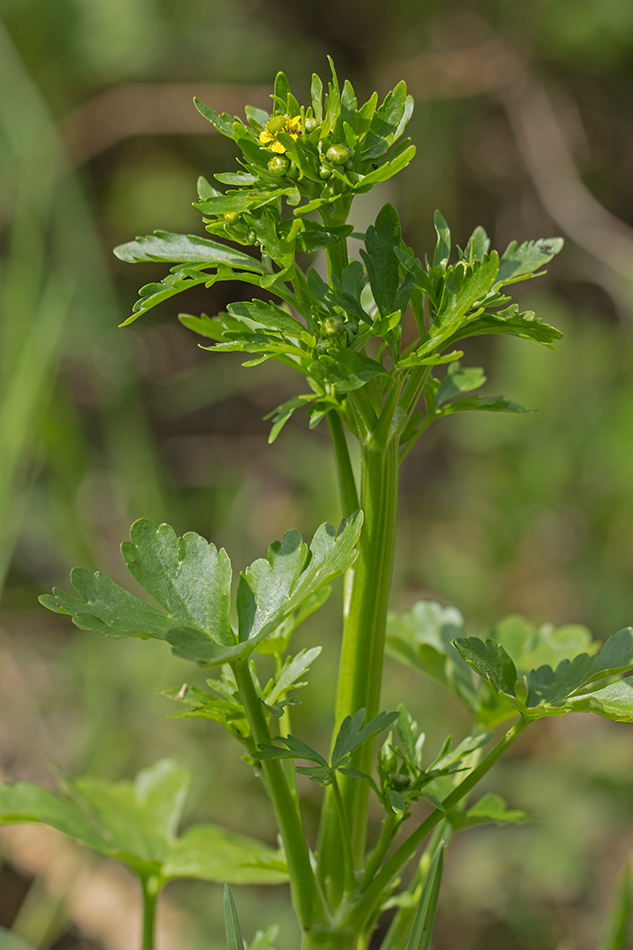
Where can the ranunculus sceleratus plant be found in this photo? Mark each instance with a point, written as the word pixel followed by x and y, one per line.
pixel 377 346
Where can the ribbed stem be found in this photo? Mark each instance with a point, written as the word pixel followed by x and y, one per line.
pixel 362 652
pixel 302 881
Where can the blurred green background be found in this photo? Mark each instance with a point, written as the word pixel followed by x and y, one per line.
pixel 524 124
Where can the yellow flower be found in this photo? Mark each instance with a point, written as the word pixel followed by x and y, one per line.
pixel 279 123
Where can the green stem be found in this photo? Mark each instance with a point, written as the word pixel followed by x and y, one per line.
pixel 363 910
pixel 349 881
pixel 346 480
pixel 400 927
pixel 362 652
pixel 336 254
pixel 151 889
pixel 302 881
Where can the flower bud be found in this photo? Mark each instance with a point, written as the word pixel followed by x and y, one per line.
pixel 310 125
pixel 332 326
pixel 232 217
pixel 278 123
pixel 325 172
pixel 278 166
pixel 338 154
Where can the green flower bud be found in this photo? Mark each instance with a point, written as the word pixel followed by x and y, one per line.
pixel 232 217
pixel 338 154
pixel 278 165
pixel 351 328
pixel 251 237
pixel 320 348
pixel 325 172
pixel 332 326
pixel 311 125
pixel 278 123
pixel 400 782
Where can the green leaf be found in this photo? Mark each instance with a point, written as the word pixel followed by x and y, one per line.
pixel 104 607
pixel 316 96
pixel 458 381
pixel 346 369
pixel 531 646
pixel 350 735
pixel 210 853
pixel 614 702
pixel 380 259
pixel 553 687
pixel 273 587
pixel 188 576
pixel 421 638
pixel 617 931
pixel 282 413
pixel 268 314
pixel 137 822
pixel 490 661
pixel 280 93
pixel 223 123
pixel 387 170
pixel 234 939
pixel 464 285
pixel 443 247
pixel 519 263
pixel 183 248
pixel 139 818
pixel 386 123
pixel 525 325
pixel 293 668
pixel 26 802
pixel 424 920
pixel 489 808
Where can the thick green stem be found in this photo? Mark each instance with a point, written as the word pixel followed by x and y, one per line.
pixel 303 885
pixel 364 908
pixel 151 889
pixel 362 652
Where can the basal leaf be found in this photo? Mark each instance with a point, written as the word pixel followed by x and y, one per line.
pixel 211 853
pixel 139 818
pixel 26 802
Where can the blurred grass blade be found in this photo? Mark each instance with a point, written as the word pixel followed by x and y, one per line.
pixel 424 920
pixel 234 940
pixel 618 925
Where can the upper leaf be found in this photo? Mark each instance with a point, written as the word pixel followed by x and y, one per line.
pixel 183 249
